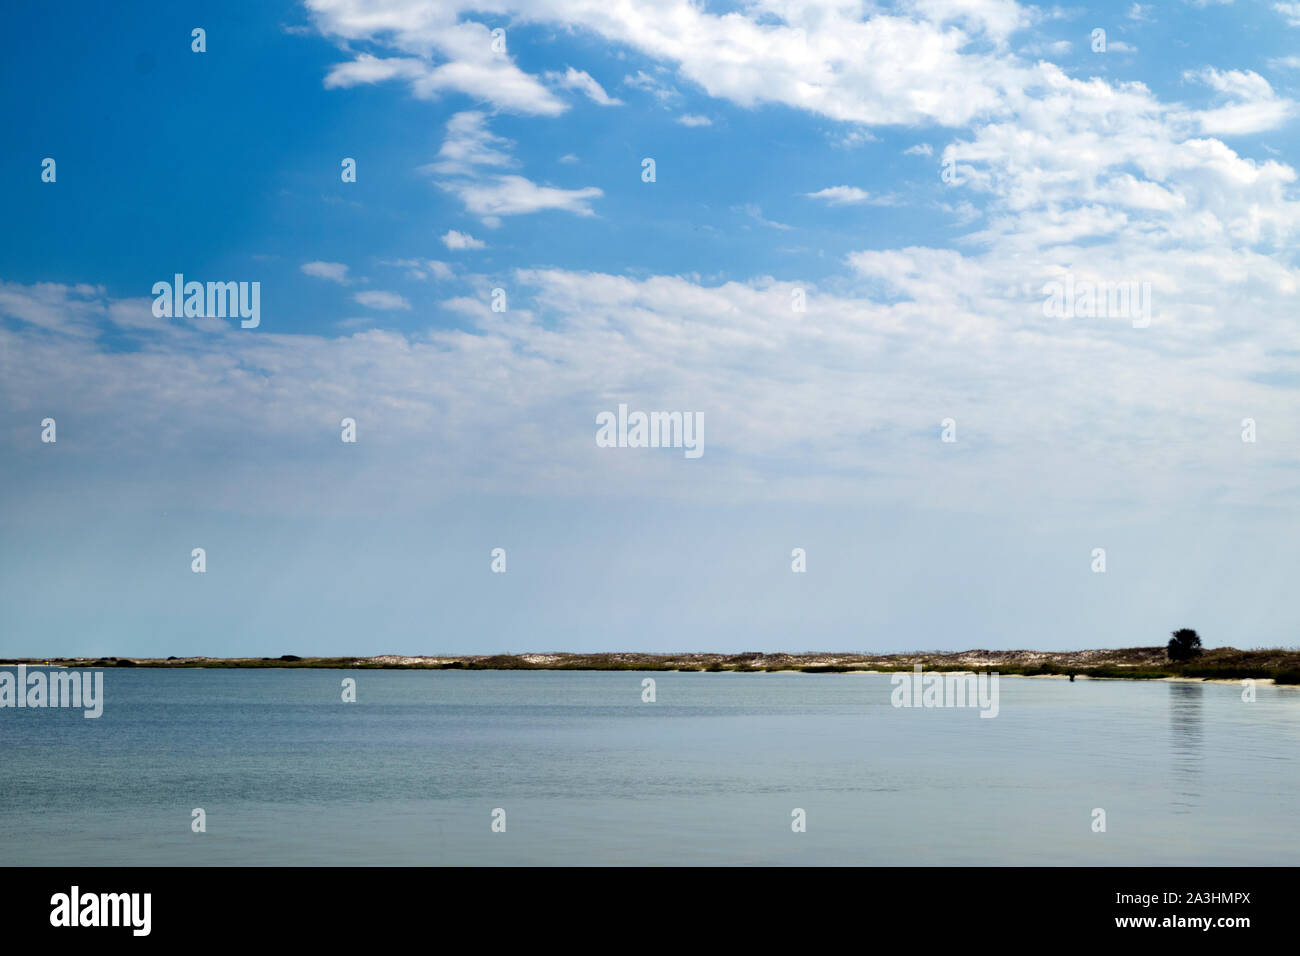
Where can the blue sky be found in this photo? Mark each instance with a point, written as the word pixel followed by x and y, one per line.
pixel 798 149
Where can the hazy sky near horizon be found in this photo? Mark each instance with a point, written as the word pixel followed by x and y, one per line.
pixel 857 214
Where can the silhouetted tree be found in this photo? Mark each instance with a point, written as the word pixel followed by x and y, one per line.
pixel 1184 645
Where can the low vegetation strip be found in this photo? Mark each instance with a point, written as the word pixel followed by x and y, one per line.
pixel 1134 663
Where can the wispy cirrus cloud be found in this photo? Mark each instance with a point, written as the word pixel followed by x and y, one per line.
pixel 470 165
pixel 330 271
pixel 423 269
pixel 378 299
pixel 584 83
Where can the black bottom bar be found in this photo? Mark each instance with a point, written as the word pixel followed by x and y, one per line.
pixel 302 905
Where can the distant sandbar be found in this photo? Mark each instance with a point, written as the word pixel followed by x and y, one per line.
pixel 1133 663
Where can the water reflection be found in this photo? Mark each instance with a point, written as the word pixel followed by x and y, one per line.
pixel 1186 743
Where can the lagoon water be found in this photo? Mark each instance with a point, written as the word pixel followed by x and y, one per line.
pixel 587 773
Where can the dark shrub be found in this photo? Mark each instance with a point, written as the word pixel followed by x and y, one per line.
pixel 1184 645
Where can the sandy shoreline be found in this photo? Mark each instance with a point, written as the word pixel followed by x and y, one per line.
pixel 1183 680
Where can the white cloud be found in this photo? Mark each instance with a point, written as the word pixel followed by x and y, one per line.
pixel 755 212
pixel 853 138
pixel 387 301
pixel 914 65
pixel 469 145
pixel 1048 48
pixel 848 196
pixel 332 271
pixel 652 85
pixel 1252 106
pixel 472 157
pixel 461 240
pixel 369 69
pixel 471 66
pixel 997 19
pixel 1289 10
pixel 70 310
pixel 920 149
pixel 857 384
pixel 1056 161
pixel 516 196
pixel 691 119
pixel 423 269
pixel 1129 191
pixel 1111 162
pixel 582 81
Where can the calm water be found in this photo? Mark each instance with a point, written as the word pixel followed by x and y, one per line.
pixel 587 773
